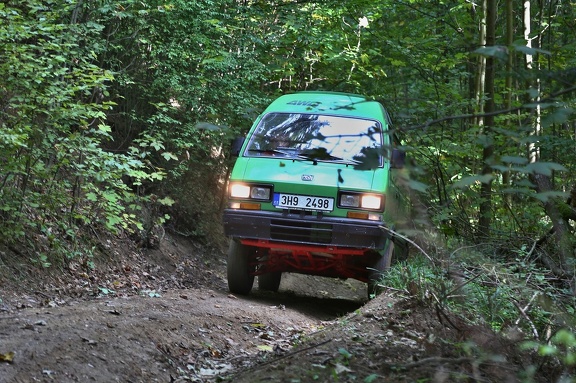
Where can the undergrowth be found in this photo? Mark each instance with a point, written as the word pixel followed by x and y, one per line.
pixel 520 300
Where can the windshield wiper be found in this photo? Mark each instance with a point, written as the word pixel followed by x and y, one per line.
pixel 271 151
pixel 321 154
pixel 331 159
pixel 313 155
pixel 343 161
pixel 286 153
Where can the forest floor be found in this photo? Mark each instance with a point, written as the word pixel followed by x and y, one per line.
pixel 165 315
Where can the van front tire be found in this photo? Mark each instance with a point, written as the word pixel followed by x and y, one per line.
pixel 379 268
pixel 240 268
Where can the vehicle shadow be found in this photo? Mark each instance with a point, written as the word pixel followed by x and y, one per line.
pixel 317 297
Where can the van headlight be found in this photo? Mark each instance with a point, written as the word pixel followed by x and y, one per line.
pixel 247 191
pixel 350 200
pixel 371 201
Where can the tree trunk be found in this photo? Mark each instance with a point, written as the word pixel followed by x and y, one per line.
pixel 560 228
pixel 533 147
pixel 508 81
pixel 485 212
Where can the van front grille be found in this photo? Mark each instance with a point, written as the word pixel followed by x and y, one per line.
pixel 300 231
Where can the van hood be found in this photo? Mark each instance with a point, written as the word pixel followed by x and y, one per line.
pixel 272 170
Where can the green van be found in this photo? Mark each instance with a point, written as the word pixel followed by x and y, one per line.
pixel 312 192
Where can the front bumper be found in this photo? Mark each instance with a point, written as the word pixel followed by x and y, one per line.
pixel 304 229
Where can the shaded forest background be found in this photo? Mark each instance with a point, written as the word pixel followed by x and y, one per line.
pixel 116 116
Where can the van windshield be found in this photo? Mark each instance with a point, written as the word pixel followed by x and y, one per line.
pixel 314 136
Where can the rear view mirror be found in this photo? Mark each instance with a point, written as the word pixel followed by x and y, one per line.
pixel 237 146
pixel 397 159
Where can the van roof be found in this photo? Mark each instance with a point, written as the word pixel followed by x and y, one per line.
pixel 337 103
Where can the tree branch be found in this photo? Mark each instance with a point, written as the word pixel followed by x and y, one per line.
pixel 495 113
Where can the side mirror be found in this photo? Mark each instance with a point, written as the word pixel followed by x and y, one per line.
pixel 397 159
pixel 237 146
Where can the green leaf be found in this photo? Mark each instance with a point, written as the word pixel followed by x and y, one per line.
pixel 547 350
pixel 471 180
pixel 529 345
pixel 545 196
pixel 105 291
pixel 371 378
pixel 169 156
pixel 498 51
pixel 112 221
pixel 544 168
pixel 208 126
pixel 570 359
pixel 520 46
pixel 514 160
pixel 344 353
pixel 166 201
pixel 559 116
pixel 104 128
pixel 501 168
pixel 417 186
pixel 110 197
pixel 518 190
pixel 565 337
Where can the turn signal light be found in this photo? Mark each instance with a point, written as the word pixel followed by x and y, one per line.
pixel 363 215
pixel 249 206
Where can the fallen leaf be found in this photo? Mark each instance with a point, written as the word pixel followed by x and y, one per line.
pixel 269 335
pixel 89 341
pixel 219 369
pixel 265 347
pixel 339 368
pixel 371 378
pixel 7 357
pixel 344 353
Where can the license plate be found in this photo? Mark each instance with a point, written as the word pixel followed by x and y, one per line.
pixel 303 202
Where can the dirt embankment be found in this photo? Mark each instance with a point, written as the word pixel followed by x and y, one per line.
pixel 166 316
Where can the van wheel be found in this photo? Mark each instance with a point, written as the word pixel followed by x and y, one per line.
pixel 240 268
pixel 270 281
pixel 379 268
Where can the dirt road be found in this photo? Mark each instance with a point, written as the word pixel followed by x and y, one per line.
pixel 165 315
pixel 199 334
